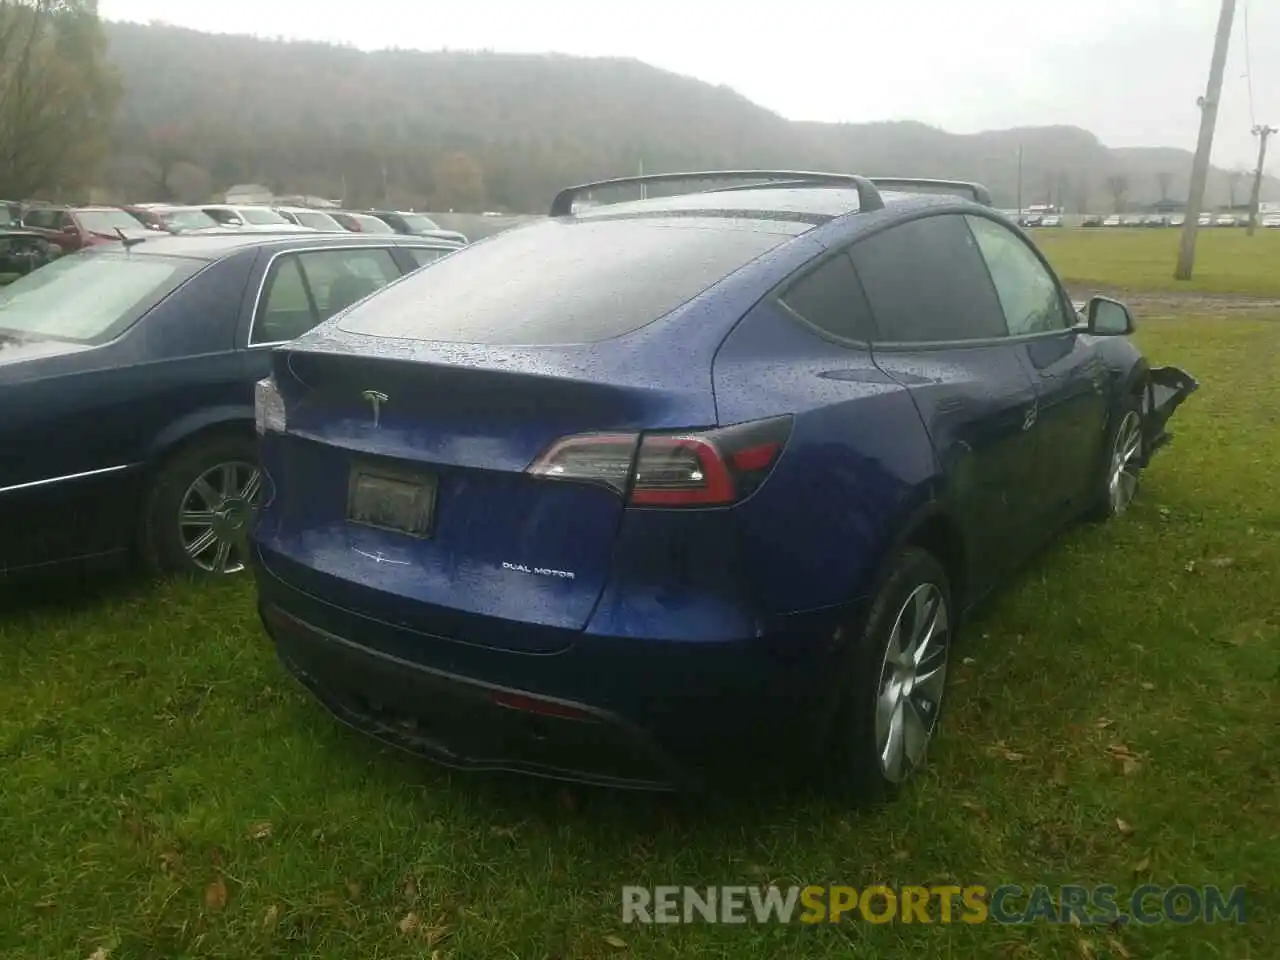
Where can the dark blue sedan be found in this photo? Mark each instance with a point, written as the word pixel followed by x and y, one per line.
pixel 126 388
pixel 654 490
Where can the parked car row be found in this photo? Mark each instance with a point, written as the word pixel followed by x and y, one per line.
pixel 74 228
pixel 1176 220
pixel 635 495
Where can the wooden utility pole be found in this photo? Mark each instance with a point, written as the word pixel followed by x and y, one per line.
pixel 1262 133
pixel 1204 145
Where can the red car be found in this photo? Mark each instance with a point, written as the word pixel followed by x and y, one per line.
pixel 74 228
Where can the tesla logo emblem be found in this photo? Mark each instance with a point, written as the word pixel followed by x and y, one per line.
pixel 377 399
pixel 379 558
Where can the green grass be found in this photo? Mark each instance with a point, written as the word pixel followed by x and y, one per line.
pixel 169 793
pixel 1227 260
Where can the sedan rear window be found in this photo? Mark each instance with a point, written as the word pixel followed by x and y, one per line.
pixel 88 297
pixel 562 282
pixel 261 217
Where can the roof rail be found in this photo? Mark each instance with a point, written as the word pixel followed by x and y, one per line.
pixel 868 196
pixel 977 191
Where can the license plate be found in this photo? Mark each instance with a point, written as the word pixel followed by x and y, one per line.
pixel 400 503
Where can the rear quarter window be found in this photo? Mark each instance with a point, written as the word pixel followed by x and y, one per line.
pixel 560 282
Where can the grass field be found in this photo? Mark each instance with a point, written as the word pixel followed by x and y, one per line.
pixel 168 793
pixel 1227 260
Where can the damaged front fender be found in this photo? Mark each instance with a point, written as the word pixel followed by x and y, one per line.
pixel 1167 388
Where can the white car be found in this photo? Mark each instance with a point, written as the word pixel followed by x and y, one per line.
pixel 252 218
pixel 1051 221
pixel 1206 220
pixel 1270 220
pixel 1225 220
pixel 310 217
pixel 1112 221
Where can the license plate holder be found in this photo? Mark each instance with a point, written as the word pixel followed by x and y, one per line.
pixel 398 501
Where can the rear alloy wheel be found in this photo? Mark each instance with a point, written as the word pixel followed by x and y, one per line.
pixel 896 680
pixel 201 508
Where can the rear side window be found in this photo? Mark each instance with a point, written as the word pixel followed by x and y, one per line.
pixel 306 288
pixel 926 281
pixel 560 282
pixel 831 298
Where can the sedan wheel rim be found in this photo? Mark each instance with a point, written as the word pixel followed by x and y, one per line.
pixel 912 678
pixel 214 516
pixel 1122 484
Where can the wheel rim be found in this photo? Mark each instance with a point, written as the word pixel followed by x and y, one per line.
pixel 912 678
pixel 214 516
pixel 1122 484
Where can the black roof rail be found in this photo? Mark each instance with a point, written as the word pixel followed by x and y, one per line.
pixel 868 196
pixel 977 191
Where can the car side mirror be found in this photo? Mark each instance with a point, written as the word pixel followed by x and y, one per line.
pixel 70 228
pixel 1109 318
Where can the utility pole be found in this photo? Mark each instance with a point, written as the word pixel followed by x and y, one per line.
pixel 1204 145
pixel 1262 133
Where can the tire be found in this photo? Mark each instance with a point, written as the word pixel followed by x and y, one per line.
pixel 1122 461
pixel 213 482
pixel 917 584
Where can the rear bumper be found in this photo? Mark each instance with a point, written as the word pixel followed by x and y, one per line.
pixel 656 716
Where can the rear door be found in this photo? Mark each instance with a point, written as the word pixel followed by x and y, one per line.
pixel 941 333
pixel 1070 376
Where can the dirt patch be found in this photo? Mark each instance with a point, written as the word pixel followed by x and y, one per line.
pixel 1156 303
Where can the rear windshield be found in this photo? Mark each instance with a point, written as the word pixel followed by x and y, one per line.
pixel 370 224
pixel 106 221
pixel 260 216
pixel 562 282
pixel 317 221
pixel 88 297
pixel 416 222
pixel 189 220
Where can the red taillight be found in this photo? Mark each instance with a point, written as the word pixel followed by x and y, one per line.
pixel 707 468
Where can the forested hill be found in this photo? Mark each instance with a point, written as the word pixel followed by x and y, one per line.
pixel 473 131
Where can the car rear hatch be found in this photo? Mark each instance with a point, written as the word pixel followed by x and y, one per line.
pixel 402 490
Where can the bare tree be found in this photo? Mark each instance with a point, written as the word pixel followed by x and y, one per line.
pixel 1166 182
pixel 1118 184
pixel 57 96
pixel 1234 179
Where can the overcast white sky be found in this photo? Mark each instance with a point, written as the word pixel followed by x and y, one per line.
pixel 1128 70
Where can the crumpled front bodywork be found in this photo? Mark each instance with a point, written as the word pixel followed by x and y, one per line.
pixel 1167 388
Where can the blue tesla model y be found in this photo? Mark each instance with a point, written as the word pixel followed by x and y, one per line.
pixel 650 491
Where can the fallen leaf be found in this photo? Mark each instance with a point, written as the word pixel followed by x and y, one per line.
pixel 901 855
pixel 1125 828
pixel 215 895
pixel 1118 948
pixel 1129 765
pixel 1086 950
pixel 45 905
pixel 271 916
pixel 508 832
pixel 1190 567
pixel 1013 756
pixel 1102 723
pixel 1148 686
pixel 409 922
pixel 260 831
pixel 1142 866
pixel 437 932
pixel 615 941
pixel 411 889
pixel 1222 561
pixel 968 661
pixel 100 954
pixel 169 862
